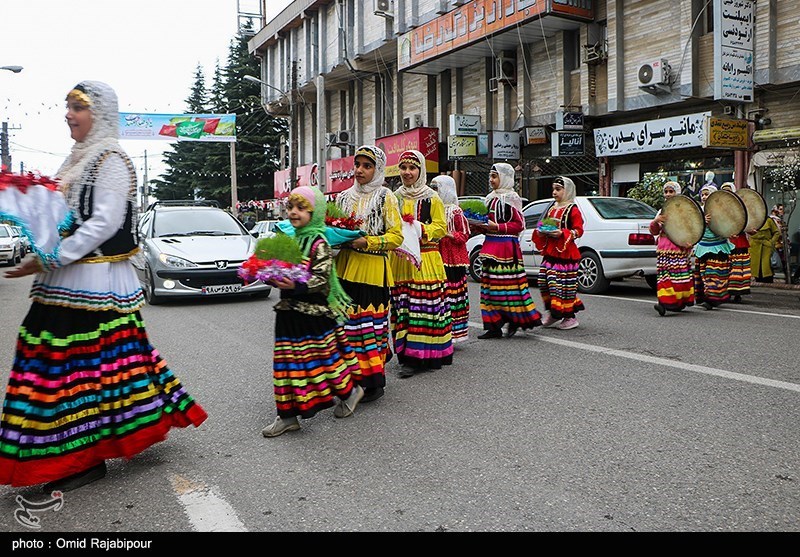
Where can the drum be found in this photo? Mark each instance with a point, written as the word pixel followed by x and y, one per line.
pixel 684 223
pixel 756 208
pixel 728 213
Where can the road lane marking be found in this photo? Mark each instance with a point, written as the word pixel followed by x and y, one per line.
pixel 726 308
pixel 665 362
pixel 207 511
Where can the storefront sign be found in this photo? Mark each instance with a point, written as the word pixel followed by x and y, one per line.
pixel 465 124
pixel 306 176
pixel 424 140
pixel 505 145
pixel 462 147
pixel 478 20
pixel 678 132
pixel 569 120
pixel 483 144
pixel 535 135
pixel 776 134
pixel 733 50
pixel 566 144
pixel 726 133
pixel 340 174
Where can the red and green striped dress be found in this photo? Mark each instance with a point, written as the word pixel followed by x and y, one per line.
pixel 675 286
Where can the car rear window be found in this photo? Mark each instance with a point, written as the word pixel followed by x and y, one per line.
pixel 622 208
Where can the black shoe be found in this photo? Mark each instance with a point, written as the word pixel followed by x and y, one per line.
pixel 406 372
pixel 662 311
pixel 389 357
pixel 76 480
pixel 707 305
pixel 491 333
pixel 372 394
pixel 737 299
pixel 512 330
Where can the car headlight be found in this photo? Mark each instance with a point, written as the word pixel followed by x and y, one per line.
pixel 172 261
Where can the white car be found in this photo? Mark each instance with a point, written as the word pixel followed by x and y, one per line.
pixel 616 242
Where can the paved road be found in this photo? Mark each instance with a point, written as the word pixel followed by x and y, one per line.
pixel 631 422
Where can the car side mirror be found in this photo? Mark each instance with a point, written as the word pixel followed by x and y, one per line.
pixel 254 234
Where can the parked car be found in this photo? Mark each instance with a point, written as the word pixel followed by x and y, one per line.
pixel 10 246
pixel 193 250
pixel 24 242
pixel 616 242
pixel 264 228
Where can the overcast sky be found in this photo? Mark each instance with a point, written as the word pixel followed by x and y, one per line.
pixel 147 50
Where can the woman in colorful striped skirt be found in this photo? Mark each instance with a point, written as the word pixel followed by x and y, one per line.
pixel 421 323
pixel 312 361
pixel 558 273
pixel 453 248
pixel 675 288
pixel 741 274
pixel 712 263
pixel 86 385
pixel 505 297
pixel 364 269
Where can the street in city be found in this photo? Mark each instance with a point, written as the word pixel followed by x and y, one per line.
pixel 632 422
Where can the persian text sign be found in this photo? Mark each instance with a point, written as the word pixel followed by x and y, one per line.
pixel 340 174
pixel 424 140
pixel 462 146
pixel 653 135
pixel 306 176
pixel 734 65
pixel 505 145
pixel 465 124
pixel 477 21
pixel 178 127
pixel 726 133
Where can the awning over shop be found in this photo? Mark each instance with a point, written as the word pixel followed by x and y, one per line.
pixel 775 134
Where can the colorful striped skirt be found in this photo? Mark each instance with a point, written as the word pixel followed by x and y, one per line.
pixel 85 386
pixel 711 274
pixel 367 330
pixel 457 298
pixel 739 281
pixel 675 288
pixel 558 286
pixel 505 297
pixel 312 363
pixel 421 324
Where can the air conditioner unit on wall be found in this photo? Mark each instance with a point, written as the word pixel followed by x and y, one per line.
pixel 506 71
pixel 653 74
pixel 414 121
pixel 383 8
pixel 341 137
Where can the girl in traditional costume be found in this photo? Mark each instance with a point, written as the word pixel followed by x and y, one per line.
pixel 421 323
pixel 558 273
pixel 364 269
pixel 86 385
pixel 505 297
pixel 741 275
pixel 712 262
pixel 312 360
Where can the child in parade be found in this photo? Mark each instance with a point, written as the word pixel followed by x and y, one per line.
pixel 741 275
pixel 712 262
pixel 675 289
pixel 505 297
pixel 558 273
pixel 312 361
pixel 453 248
pixel 421 322
pixel 364 268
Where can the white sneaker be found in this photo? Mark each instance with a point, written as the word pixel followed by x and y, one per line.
pixel 280 426
pixel 568 323
pixel 548 320
pixel 346 407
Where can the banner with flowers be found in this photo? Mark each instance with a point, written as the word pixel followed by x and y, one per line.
pixel 178 127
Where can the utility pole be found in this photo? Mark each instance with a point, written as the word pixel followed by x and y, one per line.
pixel 293 116
pixel 5 155
pixel 145 185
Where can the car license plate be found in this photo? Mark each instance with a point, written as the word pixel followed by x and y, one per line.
pixel 222 289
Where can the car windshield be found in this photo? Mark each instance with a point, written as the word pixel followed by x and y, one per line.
pixel 622 208
pixel 195 223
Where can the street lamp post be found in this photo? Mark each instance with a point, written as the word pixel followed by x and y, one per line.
pixel 15 69
pixel 292 121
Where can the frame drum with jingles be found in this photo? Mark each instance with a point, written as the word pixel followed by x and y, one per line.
pixel 728 213
pixel 756 208
pixel 684 223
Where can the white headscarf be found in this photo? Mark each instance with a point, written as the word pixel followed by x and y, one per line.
pixel 419 189
pixel 730 185
pixel 672 184
pixel 102 136
pixel 363 199
pixel 505 191
pixel 446 188
pixel 569 190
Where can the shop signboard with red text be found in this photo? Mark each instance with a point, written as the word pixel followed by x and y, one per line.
pixel 424 140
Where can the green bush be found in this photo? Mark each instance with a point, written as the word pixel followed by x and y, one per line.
pixel 650 189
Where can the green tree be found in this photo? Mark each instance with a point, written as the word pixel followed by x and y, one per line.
pixel 650 189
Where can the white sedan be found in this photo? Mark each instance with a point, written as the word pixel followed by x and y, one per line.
pixel 616 242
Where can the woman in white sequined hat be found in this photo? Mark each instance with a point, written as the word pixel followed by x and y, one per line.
pixel 86 385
